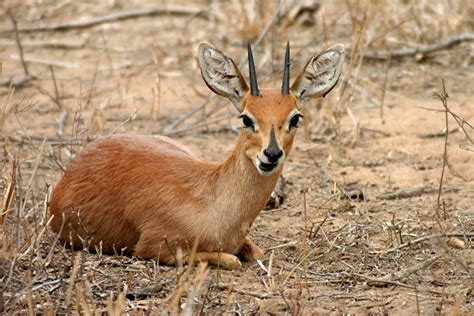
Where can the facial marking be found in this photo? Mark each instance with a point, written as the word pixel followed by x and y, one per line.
pixel 273 142
pixel 268 146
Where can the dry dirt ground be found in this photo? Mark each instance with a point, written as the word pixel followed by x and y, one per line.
pixel 364 228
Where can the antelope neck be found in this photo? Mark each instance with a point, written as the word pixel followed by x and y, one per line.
pixel 242 181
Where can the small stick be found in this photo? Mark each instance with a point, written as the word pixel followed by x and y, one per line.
pixel 129 119
pixel 289 244
pixel 201 124
pixel 47 62
pixel 404 194
pixel 49 43
pixel 18 43
pixel 67 64
pixel 38 286
pixel 319 227
pixel 310 253
pixel 45 92
pixel 417 301
pixel 376 281
pixel 443 96
pixel 114 17
pixel 241 292
pixel 156 104
pixel 56 90
pixel 9 194
pixel 382 99
pixel 61 123
pixel 72 279
pixel 410 270
pixel 170 129
pixel 424 49
pixel 94 78
pixel 421 239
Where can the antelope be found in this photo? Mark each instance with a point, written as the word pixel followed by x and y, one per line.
pixel 150 196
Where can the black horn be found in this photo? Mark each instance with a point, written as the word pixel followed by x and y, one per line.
pixel 285 87
pixel 252 73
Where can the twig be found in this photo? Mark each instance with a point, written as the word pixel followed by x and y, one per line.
pixel 57 63
pixel 66 64
pixel 51 141
pixel 56 90
pixel 443 96
pixel 377 282
pixel 391 277
pixel 61 123
pixel 46 92
pixel 289 244
pixel 267 27
pixel 425 49
pixel 437 134
pixel 376 131
pixel 93 81
pixel 38 286
pixel 129 119
pixel 384 89
pixel 288 306
pixel 241 292
pixel 156 90
pixel 364 93
pixel 170 128
pixel 424 238
pixel 310 253
pixel 9 194
pixel 48 43
pixel 114 17
pixel 18 43
pixel 409 193
pixel 200 124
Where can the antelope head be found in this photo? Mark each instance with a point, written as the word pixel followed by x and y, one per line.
pixel 270 117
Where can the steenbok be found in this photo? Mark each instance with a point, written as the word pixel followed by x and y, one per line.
pixel 150 197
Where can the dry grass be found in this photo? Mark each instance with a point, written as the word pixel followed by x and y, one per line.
pixel 362 230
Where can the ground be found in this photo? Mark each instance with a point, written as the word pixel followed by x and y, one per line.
pixel 365 227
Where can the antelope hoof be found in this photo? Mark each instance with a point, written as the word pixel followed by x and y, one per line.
pixel 229 262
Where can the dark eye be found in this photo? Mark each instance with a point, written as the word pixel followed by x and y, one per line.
pixel 295 120
pixel 247 121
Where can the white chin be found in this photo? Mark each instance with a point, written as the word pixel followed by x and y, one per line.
pixel 265 169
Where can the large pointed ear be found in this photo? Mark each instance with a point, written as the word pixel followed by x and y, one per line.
pixel 320 74
pixel 221 74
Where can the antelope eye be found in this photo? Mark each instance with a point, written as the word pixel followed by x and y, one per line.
pixel 294 121
pixel 247 121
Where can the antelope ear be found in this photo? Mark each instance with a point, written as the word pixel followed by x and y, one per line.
pixel 221 74
pixel 320 74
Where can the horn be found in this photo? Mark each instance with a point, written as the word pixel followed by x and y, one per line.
pixel 285 88
pixel 252 74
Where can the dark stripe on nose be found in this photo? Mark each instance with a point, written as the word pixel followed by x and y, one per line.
pixel 273 152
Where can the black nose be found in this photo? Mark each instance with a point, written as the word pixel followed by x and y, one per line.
pixel 273 154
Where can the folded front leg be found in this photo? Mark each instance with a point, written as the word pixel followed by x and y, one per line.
pixel 249 251
pixel 220 259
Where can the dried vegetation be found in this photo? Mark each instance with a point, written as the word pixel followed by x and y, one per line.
pixel 378 216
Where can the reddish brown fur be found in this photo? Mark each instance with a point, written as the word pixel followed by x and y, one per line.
pixel 149 195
